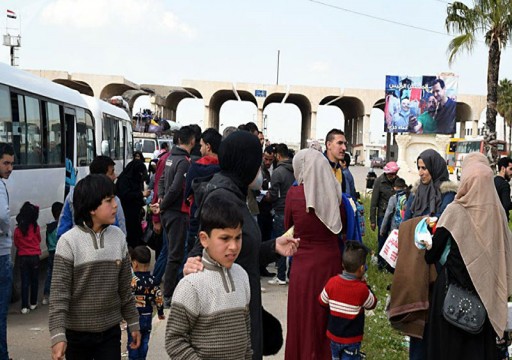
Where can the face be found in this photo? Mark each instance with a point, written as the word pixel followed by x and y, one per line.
pixel 432 103
pixel 508 172
pixel 268 159
pixel 391 177
pixel 223 245
pixel 261 138
pixel 105 214
pixel 337 147
pixel 438 92
pixel 137 157
pixel 425 176
pixel 111 173
pixel 405 104
pixel 205 148
pixel 6 164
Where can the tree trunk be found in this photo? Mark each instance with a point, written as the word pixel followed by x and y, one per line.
pixel 493 71
pixel 509 137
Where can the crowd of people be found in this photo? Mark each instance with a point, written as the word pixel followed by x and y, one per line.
pixel 219 209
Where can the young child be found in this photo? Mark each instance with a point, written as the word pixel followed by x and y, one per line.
pixel 146 295
pixel 209 316
pixel 347 295
pixel 51 244
pixel 395 211
pixel 360 213
pixel 90 291
pixel 27 238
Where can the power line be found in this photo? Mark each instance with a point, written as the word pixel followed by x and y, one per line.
pixel 379 18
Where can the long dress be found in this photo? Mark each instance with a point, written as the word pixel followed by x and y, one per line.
pixel 316 261
pixel 446 341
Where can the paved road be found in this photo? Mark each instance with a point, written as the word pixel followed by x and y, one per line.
pixel 29 339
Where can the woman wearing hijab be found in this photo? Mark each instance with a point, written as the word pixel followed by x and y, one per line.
pixel 314 208
pixel 430 196
pixel 129 187
pixel 475 229
pixel 240 162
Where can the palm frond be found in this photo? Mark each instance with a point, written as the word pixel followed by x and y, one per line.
pixel 461 43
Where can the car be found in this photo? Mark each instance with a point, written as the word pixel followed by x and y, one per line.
pixel 377 162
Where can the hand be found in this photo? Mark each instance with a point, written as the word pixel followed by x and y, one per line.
pixel 372 225
pixel 59 350
pixel 193 265
pixel 136 340
pixel 157 227
pixel 161 317
pixel 146 193
pixel 381 233
pixel 155 208
pixel 287 246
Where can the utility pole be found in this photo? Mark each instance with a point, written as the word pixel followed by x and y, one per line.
pixel 278 53
pixel 13 41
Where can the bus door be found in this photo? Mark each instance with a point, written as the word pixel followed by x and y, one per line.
pixel 69 155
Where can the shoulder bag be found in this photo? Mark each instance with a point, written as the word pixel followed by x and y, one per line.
pixel 463 308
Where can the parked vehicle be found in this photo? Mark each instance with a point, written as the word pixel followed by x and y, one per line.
pixel 377 163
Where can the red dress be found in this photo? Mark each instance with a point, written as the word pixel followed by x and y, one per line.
pixel 316 261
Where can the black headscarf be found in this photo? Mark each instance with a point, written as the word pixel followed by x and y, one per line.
pixel 240 158
pixel 428 197
pixel 135 173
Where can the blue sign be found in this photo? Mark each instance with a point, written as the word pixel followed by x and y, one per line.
pixel 260 93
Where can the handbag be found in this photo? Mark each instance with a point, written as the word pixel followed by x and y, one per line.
pixel 463 308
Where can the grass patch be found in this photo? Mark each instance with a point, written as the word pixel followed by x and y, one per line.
pixel 380 341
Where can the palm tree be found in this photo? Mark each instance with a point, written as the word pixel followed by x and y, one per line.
pixel 493 19
pixel 505 106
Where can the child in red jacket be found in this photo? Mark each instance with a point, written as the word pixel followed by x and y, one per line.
pixel 27 238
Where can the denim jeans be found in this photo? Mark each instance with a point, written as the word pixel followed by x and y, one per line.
pixel 29 266
pixel 161 262
pixel 418 348
pixel 49 270
pixel 278 227
pixel 5 299
pixel 145 333
pixel 345 351
pixel 105 345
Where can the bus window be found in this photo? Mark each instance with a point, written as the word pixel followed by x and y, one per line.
pixel 5 115
pixel 27 136
pixel 111 134
pixel 85 138
pixel 53 151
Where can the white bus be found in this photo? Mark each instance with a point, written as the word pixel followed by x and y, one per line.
pixel 56 132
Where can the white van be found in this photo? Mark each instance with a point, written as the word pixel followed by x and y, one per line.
pixel 147 143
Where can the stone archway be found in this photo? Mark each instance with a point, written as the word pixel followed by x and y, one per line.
pixel 81 86
pixel 220 97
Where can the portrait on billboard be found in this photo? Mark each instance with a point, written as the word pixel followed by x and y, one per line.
pixel 421 104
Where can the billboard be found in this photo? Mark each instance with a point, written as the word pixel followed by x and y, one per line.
pixel 421 104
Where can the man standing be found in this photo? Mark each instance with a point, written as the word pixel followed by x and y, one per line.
pixel 6 165
pixel 445 113
pixel 336 145
pixel 265 217
pixel 173 211
pixel 382 191
pixel 501 181
pixel 282 179
pixel 428 124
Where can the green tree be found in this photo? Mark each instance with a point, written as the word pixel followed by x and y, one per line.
pixel 505 106
pixel 493 20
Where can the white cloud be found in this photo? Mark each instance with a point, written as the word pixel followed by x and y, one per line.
pixel 320 67
pixel 97 14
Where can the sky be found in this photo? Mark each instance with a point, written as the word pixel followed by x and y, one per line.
pixel 321 43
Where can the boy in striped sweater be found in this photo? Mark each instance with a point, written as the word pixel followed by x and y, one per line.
pixel 90 292
pixel 209 316
pixel 347 296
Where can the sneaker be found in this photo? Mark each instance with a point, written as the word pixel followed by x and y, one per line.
pixel 25 311
pixel 45 301
pixel 33 307
pixel 277 281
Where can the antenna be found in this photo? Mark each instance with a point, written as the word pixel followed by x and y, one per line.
pixel 13 41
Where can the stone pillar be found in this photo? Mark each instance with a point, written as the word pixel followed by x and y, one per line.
pixel 474 132
pixel 207 120
pixel 312 128
pixel 366 139
pixel 462 132
pixel 259 119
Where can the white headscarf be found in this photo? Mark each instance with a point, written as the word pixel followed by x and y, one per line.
pixel 322 190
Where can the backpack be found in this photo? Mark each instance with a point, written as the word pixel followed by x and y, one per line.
pixel 401 199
